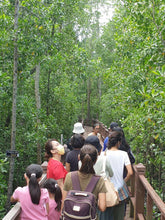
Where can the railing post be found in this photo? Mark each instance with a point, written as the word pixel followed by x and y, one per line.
pixel 103 130
pixel 44 166
pixel 149 207
pixel 132 203
pixel 139 191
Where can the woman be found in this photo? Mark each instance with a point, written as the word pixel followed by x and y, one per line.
pixel 124 146
pixel 118 159
pixel 88 157
pixel 55 169
pixel 77 141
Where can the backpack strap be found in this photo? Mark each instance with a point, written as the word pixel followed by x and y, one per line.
pixel 76 182
pixel 92 183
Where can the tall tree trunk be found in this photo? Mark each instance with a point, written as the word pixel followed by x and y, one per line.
pixel 88 99
pixel 13 131
pixel 48 93
pixel 38 105
pixel 99 94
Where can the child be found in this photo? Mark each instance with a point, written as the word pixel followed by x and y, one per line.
pixel 55 199
pixel 33 200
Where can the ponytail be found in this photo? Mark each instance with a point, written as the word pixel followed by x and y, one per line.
pixel 34 172
pixel 58 197
pixel 34 189
pixel 88 157
pixel 53 188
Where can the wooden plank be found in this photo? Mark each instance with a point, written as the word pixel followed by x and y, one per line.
pixel 149 207
pixel 132 200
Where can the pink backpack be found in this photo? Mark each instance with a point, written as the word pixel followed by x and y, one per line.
pixel 80 204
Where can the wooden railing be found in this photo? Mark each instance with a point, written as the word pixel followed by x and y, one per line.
pixel 143 196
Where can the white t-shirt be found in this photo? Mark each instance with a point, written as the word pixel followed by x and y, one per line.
pixel 117 160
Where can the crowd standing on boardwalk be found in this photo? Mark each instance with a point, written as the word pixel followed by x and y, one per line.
pixel 86 159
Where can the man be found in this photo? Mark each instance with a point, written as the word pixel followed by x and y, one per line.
pixel 95 132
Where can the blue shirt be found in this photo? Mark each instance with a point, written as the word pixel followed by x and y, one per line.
pixel 105 143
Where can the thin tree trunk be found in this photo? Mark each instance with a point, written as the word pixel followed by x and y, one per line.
pixel 99 94
pixel 88 98
pixel 38 104
pixel 13 131
pixel 48 92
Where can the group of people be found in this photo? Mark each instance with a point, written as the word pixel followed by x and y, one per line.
pixel 86 156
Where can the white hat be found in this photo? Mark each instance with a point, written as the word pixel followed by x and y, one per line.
pixel 78 128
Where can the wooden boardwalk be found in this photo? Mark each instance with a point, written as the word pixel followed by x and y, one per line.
pixel 127 217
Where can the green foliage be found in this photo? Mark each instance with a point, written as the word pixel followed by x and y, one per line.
pixel 3 183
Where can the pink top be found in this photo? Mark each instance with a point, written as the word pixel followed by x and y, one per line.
pixel 56 170
pixel 31 211
pixel 53 214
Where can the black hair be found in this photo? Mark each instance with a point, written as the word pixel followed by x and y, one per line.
pixel 114 138
pixel 34 172
pixel 48 148
pixel 88 157
pixel 124 145
pixel 77 141
pixel 96 124
pixel 113 125
pixel 52 186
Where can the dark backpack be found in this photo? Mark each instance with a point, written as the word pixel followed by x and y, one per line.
pixel 80 204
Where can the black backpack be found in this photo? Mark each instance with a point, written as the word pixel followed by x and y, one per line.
pixel 80 204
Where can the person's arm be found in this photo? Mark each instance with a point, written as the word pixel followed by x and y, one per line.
pixel 63 198
pixel 47 207
pixel 108 169
pixel 13 200
pixel 102 201
pixel 67 166
pixel 129 172
pixel 61 183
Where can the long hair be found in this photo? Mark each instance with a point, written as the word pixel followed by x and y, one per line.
pixel 48 148
pixel 124 145
pixel 88 157
pixel 34 172
pixel 114 138
pixel 54 188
